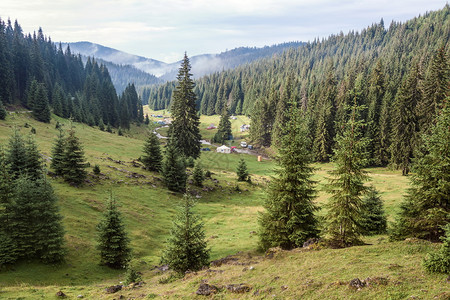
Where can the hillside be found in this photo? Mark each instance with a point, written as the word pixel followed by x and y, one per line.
pixel 230 223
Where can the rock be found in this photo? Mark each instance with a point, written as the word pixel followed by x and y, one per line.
pixel 60 294
pixel 238 288
pixel 271 252
pixel 251 268
pixel 356 283
pixel 310 242
pixel 163 268
pixel 284 287
pixel 113 289
pixel 80 296
pixel 206 289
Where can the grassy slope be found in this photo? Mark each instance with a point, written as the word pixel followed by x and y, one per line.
pixel 230 218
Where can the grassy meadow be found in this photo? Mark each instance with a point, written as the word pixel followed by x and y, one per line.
pixel 230 218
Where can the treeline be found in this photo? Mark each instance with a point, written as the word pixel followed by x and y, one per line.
pixel 37 74
pixel 380 66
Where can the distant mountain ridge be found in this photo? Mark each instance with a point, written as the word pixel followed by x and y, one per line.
pixel 201 64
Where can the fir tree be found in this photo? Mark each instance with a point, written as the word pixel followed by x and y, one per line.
pixel 224 130
pixel 41 108
pixel 439 262
pixel 3 112
pixel 16 155
pixel 242 172
pixel 185 125
pixel 173 168
pixel 347 184
pixel 147 120
pixel 373 216
pixel 289 220
pixel 426 207
pixel 74 162
pixel 34 167
pixel 186 247
pixel 58 154
pixel 152 158
pixel 198 175
pixel 113 242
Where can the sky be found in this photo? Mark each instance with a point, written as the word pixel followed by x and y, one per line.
pixel 165 29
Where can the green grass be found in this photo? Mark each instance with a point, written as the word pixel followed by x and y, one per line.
pixel 230 219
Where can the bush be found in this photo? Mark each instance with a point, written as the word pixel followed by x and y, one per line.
pixel 439 262
pixel 96 170
pixel 190 162
pixel 132 276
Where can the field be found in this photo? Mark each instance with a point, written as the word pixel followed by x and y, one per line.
pixel 230 218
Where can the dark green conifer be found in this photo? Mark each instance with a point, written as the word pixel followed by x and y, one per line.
pixel 41 108
pixel 3 112
pixel 289 220
pixel 174 168
pixel 241 171
pixel 185 125
pixel 186 247
pixel 147 120
pixel 152 158
pixel 198 176
pixel 74 162
pixel 224 130
pixel 439 262
pixel 16 154
pixel 373 216
pixel 347 184
pixel 113 242
pixel 58 154
pixel 34 167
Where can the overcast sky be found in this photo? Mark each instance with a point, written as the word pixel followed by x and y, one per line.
pixel 164 29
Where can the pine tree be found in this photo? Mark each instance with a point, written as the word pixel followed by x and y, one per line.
pixel 113 242
pixel 186 247
pixel 198 176
pixel 224 130
pixel 426 207
pixel 152 158
pixel 3 112
pixel 173 168
pixel 74 162
pixel 16 155
pixel 58 154
pixel 289 220
pixel 34 167
pixel 185 125
pixel 242 172
pixel 147 120
pixel 36 226
pixel 439 262
pixel 373 216
pixel 347 184
pixel 41 108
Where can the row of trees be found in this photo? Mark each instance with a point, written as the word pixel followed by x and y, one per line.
pixel 41 76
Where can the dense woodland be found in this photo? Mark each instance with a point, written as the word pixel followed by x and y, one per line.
pixel 399 73
pixel 37 74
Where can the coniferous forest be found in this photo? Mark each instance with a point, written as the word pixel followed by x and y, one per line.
pixel 339 189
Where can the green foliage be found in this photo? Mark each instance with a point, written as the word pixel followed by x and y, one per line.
pixel 347 184
pixel 16 155
pixel 96 169
pixel 224 130
pixel 152 158
pixel 439 262
pixel 58 154
pixel 147 120
pixel 3 112
pixel 289 220
pixel 373 218
pixel 34 167
pixel 186 247
pixel 184 128
pixel 74 162
pixel 132 276
pixel 198 175
pixel 241 171
pixel 426 207
pixel 174 168
pixel 113 242
pixel 101 125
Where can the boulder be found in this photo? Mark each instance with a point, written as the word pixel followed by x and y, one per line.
pixel 356 283
pixel 60 294
pixel 206 289
pixel 113 289
pixel 238 288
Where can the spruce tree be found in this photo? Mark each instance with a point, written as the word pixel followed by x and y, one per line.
pixel 186 247
pixel 426 207
pixel 3 112
pixel 58 154
pixel 113 242
pixel 289 220
pixel 74 162
pixel 173 168
pixel 224 130
pixel 41 108
pixel 152 158
pixel 241 171
pixel 34 167
pixel 373 216
pixel 185 125
pixel 198 176
pixel 439 262
pixel 16 155
pixel 347 184
pixel 36 225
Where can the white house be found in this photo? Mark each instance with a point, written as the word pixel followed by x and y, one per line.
pixel 223 149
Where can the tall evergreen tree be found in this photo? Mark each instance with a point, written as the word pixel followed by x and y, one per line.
pixel 426 207
pixel 186 247
pixel 174 168
pixel 16 155
pixel 185 126
pixel 198 175
pixel 74 162
pixel 373 216
pixel 3 112
pixel 347 184
pixel 152 158
pixel 58 154
pixel 224 130
pixel 113 241
pixel 242 171
pixel 289 220
pixel 34 167
pixel 41 108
